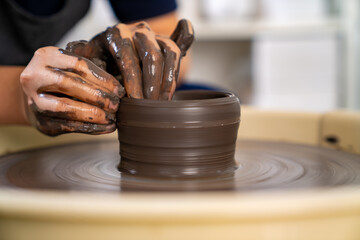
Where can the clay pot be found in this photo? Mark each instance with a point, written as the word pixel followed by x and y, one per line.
pixel 193 135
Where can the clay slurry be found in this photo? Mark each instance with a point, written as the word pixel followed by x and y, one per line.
pixel 147 63
pixel 91 166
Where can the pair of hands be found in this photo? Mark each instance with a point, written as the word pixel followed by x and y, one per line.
pixel 79 89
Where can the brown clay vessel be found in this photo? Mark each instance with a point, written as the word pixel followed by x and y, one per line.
pixel 192 136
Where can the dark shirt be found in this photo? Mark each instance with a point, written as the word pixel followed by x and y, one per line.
pixel 28 25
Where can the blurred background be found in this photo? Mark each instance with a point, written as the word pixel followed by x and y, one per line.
pixel 274 54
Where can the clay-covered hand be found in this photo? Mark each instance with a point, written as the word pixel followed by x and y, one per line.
pixel 67 93
pixel 148 63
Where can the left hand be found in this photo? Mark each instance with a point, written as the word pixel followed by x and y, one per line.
pixel 66 93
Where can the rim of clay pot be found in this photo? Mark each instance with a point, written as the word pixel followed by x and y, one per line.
pixel 192 108
pixel 185 98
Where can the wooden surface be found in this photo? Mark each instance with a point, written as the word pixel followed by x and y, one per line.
pixel 341 130
pixel 294 127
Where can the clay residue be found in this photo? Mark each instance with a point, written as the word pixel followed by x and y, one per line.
pixel 148 64
pixel 91 167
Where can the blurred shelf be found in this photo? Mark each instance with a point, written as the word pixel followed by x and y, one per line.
pixel 235 30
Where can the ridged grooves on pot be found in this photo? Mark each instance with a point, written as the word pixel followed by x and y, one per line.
pixel 193 135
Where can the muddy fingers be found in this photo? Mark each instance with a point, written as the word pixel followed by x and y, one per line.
pixel 183 35
pixel 121 48
pixel 171 67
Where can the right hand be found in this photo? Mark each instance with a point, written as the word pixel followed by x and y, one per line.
pixel 149 64
pixel 67 93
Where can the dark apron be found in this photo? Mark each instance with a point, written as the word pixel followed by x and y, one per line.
pixel 21 33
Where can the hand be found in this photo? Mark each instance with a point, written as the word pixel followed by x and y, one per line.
pixel 67 93
pixel 148 64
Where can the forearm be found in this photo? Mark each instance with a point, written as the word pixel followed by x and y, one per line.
pixel 12 97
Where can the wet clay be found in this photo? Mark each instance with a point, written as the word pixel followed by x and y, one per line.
pixel 148 64
pixel 83 84
pixel 91 166
pixel 152 62
pixel 193 135
pixel 76 96
pixel 171 67
pixel 183 35
pixel 121 47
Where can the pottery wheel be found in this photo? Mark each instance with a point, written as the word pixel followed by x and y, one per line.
pixel 92 166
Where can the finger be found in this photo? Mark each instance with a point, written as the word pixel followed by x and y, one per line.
pixel 69 109
pixel 92 50
pixel 183 35
pixel 121 48
pixel 172 55
pixel 77 47
pixel 87 69
pixel 75 86
pixel 54 127
pixel 88 49
pixel 151 60
pixel 72 63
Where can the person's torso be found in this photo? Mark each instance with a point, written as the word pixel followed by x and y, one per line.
pixel 23 29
